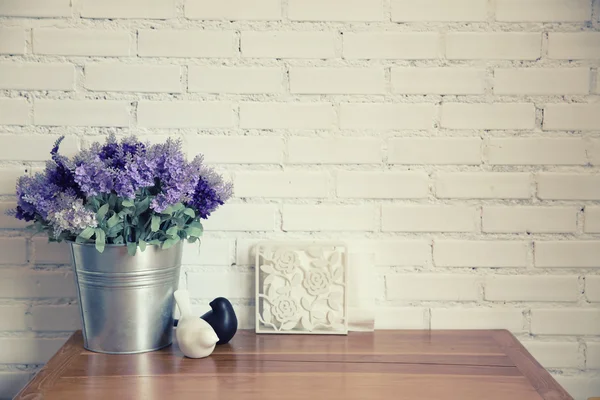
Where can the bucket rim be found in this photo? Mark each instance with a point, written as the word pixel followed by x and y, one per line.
pixel 72 242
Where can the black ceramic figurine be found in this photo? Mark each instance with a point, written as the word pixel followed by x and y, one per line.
pixel 221 318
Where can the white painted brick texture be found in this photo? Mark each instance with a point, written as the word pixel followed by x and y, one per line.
pixel 457 141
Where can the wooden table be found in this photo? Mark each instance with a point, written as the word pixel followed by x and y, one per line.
pixel 407 365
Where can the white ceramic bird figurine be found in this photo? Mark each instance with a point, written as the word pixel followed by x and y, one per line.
pixel 196 338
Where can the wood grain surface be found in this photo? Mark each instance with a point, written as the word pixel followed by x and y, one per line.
pixel 453 365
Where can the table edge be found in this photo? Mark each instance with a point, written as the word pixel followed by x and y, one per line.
pixel 46 377
pixel 532 370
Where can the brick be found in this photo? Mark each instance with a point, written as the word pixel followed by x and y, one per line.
pixel 307 80
pixel 9 176
pixel 541 81
pixel 13 250
pixel 465 150
pixel 157 9
pixel 133 78
pixel 391 45
pixel 237 150
pixel 439 10
pixel 65 318
pixel 25 284
pixel 474 254
pixel 565 321
pixel 8 221
pixel 537 219
pixel 28 350
pixel 341 150
pixel 288 44
pixel 12 382
pixel 537 151
pixel 592 219
pixel 579 387
pixel 593 151
pixel 574 46
pixel 267 115
pixel 51 252
pixel 185 43
pixel 329 218
pixel 386 116
pixel 185 114
pixel 396 218
pixel 211 252
pixel 14 318
pixel 593 355
pixel 531 288
pixel 432 287
pixel 438 80
pixel 233 285
pixel 493 45
pixel 382 185
pixel 233 10
pixel 288 184
pixel 34 76
pixel 488 116
pixel 560 254
pixel 400 252
pixel 14 111
pixel 477 318
pixel 35 8
pixel 242 217
pixel 335 10
pixel 572 116
pixel 543 10
pixel 81 113
pixel 238 80
pixel 25 147
pixel 565 186
pixel 401 318
pixel 555 354
pixel 483 185
pixel 12 40
pixel 79 42
pixel 245 251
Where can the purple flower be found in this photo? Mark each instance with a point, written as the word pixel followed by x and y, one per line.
pixel 210 192
pixel 69 214
pixel 175 176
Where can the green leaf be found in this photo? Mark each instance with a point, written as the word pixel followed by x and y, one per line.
pixel 172 231
pixel 170 242
pixel 100 240
pixel 195 229
pixel 131 248
pixel 142 206
pixel 118 240
pixel 87 233
pixel 192 239
pixel 112 200
pixel 154 242
pixel 168 211
pixel 155 224
pixel 128 203
pixel 114 220
pixel 190 212
pixel 102 212
pixel 142 245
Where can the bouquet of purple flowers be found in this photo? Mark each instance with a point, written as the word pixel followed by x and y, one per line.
pixel 128 192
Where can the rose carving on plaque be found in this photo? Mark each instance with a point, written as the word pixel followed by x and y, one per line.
pixel 301 288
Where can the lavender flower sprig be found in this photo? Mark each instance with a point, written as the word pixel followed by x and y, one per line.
pixel 122 192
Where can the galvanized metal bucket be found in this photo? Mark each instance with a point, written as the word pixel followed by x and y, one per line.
pixel 126 302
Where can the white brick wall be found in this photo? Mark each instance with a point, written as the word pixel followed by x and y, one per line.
pixel 458 141
pixel 79 42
